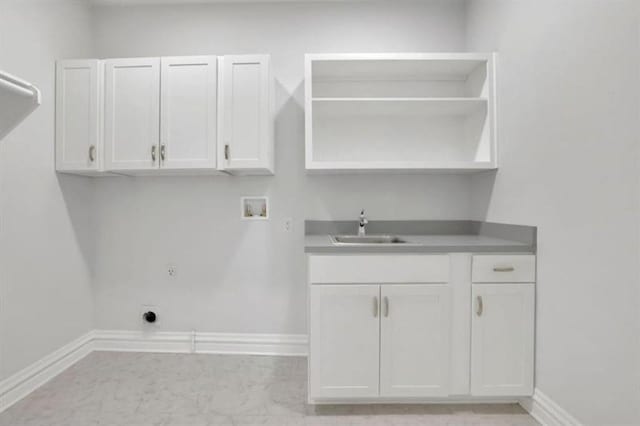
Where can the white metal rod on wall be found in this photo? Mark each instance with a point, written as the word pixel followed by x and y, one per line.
pixel 18 99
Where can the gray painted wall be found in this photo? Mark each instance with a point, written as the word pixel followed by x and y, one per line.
pixel 234 275
pixel 45 232
pixel 569 143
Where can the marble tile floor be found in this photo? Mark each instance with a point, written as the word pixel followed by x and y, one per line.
pixel 144 389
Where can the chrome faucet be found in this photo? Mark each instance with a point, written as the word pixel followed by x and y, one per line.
pixel 363 222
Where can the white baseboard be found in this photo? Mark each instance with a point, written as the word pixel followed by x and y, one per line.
pixel 202 343
pixel 137 341
pixel 252 344
pixel 25 381
pixel 547 412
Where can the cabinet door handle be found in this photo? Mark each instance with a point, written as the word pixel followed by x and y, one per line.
pixel 479 306
pixel 226 152
pixel 375 306
pixel 92 153
pixel 153 153
pixel 163 151
pixel 386 306
pixel 503 269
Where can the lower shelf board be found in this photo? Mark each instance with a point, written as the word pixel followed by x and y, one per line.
pixel 337 167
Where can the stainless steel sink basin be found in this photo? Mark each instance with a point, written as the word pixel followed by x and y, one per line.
pixel 367 239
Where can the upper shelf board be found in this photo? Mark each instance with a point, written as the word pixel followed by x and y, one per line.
pixel 407 66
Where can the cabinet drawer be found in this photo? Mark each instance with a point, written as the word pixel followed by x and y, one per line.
pixel 379 269
pixel 504 268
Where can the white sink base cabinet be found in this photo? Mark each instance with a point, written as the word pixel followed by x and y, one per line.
pixel 414 340
pixel 346 329
pixel 502 343
pixel 426 334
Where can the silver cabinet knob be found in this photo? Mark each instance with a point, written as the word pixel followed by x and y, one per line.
pixel 375 307
pixel 479 306
pixel 153 153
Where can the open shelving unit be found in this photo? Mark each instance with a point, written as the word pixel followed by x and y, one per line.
pixel 412 112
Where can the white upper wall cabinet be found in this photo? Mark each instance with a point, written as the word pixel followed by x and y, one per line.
pixel 79 116
pixel 170 115
pixel 132 114
pixel 370 112
pixel 246 114
pixel 188 112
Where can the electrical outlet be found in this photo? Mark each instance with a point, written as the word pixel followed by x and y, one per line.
pixel 172 271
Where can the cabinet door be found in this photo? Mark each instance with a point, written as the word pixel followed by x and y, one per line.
pixel 188 112
pixel 502 336
pixel 132 113
pixel 78 97
pixel 344 341
pixel 415 340
pixel 246 114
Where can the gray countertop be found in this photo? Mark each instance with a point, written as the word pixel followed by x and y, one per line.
pixel 422 244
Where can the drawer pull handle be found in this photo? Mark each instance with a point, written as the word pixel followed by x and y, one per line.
pixel 92 153
pixel 153 153
pixel 375 307
pixel 479 306
pixel 386 306
pixel 503 269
